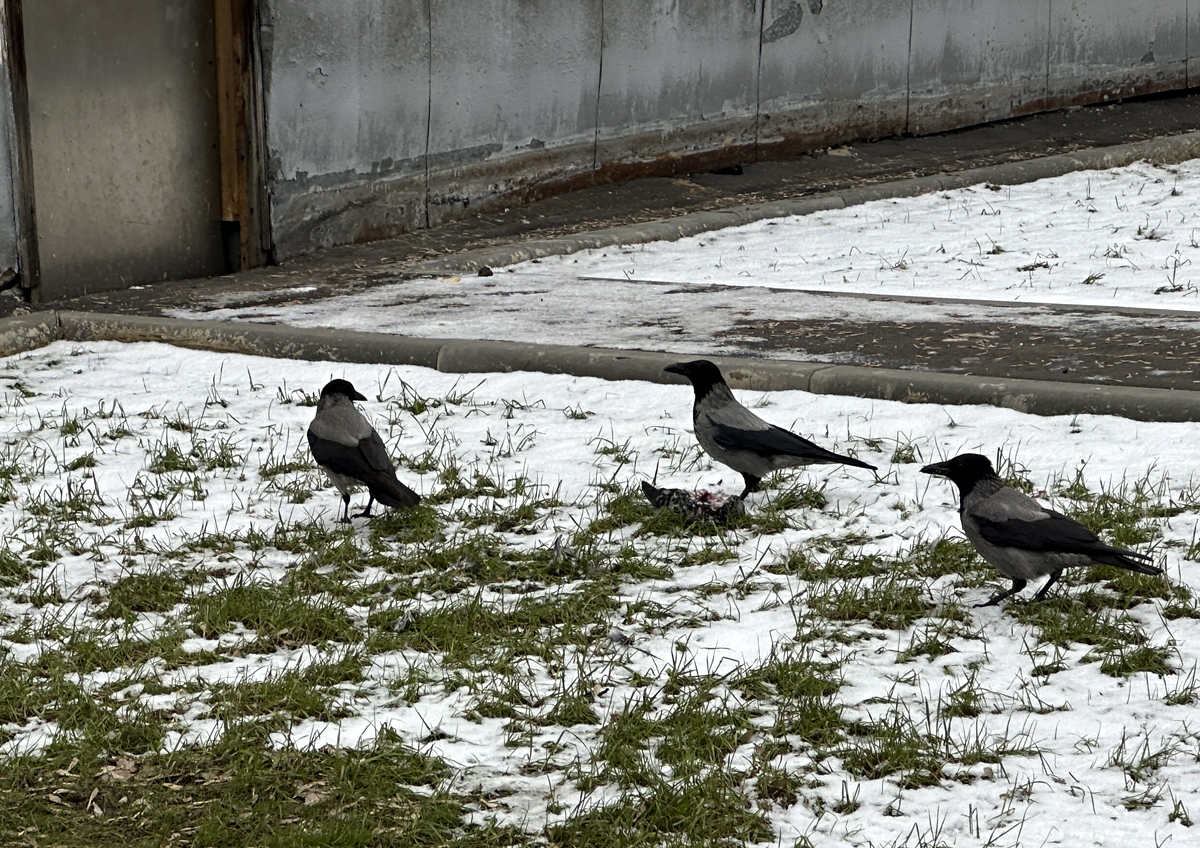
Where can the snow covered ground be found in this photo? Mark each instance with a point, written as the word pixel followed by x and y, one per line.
pixel 1127 238
pixel 120 463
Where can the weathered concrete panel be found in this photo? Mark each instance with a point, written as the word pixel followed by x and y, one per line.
pixel 347 89
pixel 348 86
pixel 387 116
pixel 511 79
pixel 8 172
pixel 832 71
pixel 679 79
pixel 1192 39
pixel 1101 49
pixel 974 61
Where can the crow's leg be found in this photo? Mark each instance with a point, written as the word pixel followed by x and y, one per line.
pixel 751 484
pixel 1054 575
pixel 345 519
pixel 1017 586
pixel 366 513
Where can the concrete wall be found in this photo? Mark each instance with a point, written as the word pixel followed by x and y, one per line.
pixel 389 115
pixel 8 205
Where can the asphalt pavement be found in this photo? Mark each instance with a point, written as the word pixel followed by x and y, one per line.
pixel 1135 348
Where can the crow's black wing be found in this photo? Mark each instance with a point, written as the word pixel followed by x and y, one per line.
pixel 344 459
pixel 1054 534
pixel 366 462
pixel 774 441
pixel 375 453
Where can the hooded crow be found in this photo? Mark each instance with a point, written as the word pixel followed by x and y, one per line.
pixel 735 436
pixel 1018 535
pixel 351 453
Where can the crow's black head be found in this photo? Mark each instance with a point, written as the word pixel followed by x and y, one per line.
pixel 965 470
pixel 341 387
pixel 702 374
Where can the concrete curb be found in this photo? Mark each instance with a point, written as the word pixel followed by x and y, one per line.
pixel 1159 150
pixel 19 333
pixel 476 356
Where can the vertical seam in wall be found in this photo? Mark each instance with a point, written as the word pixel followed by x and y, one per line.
pixel 758 78
pixel 428 104
pixel 1049 46
pixel 908 71
pixel 599 84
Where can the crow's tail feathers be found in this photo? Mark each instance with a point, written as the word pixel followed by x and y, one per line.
pixel 1129 560
pixel 391 492
pixel 817 455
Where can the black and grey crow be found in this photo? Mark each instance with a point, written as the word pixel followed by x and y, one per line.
pixel 735 436
pixel 351 453
pixel 1018 535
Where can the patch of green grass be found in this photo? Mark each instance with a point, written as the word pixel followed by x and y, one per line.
pixel 707 555
pixel 798 496
pixel 13 569
pixel 779 786
pixel 1126 660
pixel 946 558
pixel 797 562
pixel 618 452
pixel 916 752
pixel 237 792
pixel 931 640
pixel 1062 621
pixel 169 458
pixel 693 734
pixel 893 745
pixel 279 615
pixel 573 708
pixel 78 502
pixel 420 523
pixel 86 651
pixel 889 602
pixel 289 696
pixel 87 460
pixel 905 454
pixel 138 593
pixel 964 701
pixel 701 732
pixel 800 694
pixel 217 453
pixel 84 722
pixel 480 485
pixel 272 467
pixel 631 507
pixel 474 634
pixel 1129 587
pixel 511 518
pixel 704 810
pixel 1125 515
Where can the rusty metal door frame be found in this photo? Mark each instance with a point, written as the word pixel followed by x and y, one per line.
pixel 242 131
pixel 241 116
pixel 28 269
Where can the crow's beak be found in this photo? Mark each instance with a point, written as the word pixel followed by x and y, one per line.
pixel 677 368
pixel 937 469
pixel 358 395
